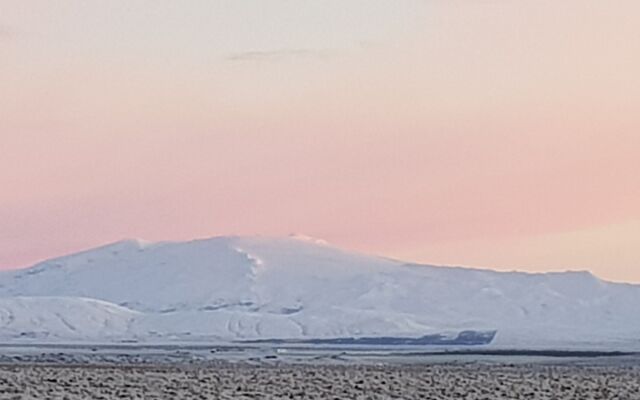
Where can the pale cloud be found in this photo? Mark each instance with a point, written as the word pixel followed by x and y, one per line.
pixel 8 32
pixel 5 32
pixel 279 54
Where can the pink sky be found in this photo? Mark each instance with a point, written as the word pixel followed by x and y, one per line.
pixel 496 134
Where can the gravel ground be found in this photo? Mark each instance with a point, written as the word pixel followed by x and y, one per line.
pixel 244 381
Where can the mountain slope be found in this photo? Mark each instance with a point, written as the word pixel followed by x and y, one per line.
pixel 55 318
pixel 231 288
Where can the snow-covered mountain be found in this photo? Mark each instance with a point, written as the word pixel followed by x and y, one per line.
pixel 238 288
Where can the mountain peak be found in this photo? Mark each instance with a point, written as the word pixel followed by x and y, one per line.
pixel 309 239
pixel 231 288
pixel 132 242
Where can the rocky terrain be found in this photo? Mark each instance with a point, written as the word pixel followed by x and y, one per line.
pixel 245 381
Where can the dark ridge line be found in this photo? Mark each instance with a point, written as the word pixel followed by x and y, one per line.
pixel 524 353
pixel 465 338
pixel 361 351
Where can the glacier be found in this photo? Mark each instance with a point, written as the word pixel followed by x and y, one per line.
pixel 298 289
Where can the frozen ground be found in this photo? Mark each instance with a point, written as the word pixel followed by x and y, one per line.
pixel 263 354
pixel 130 371
pixel 244 381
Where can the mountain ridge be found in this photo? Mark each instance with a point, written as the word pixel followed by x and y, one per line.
pixel 144 243
pixel 251 288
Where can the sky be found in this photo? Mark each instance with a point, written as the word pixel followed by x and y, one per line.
pixel 488 133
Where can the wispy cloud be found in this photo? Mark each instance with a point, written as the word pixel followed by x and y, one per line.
pixel 279 54
pixel 4 31
pixel 7 32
